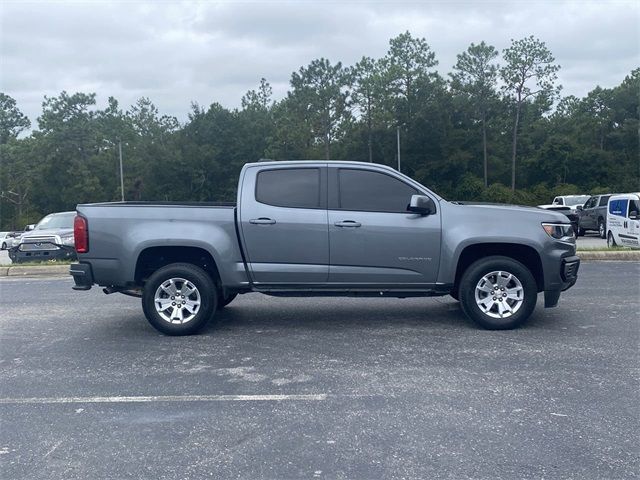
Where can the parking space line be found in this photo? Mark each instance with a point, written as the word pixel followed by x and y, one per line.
pixel 165 398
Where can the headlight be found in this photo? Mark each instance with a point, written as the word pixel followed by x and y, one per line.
pixel 67 239
pixel 559 231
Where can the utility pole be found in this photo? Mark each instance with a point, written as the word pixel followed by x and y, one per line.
pixel 121 177
pixel 398 134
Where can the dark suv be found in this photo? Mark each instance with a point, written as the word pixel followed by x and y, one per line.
pixel 593 215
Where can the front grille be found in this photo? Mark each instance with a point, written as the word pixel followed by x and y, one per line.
pixel 39 243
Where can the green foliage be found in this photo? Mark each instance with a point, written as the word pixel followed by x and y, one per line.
pixel 459 138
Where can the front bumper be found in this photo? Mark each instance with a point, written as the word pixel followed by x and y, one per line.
pixel 82 276
pixel 62 252
pixel 569 274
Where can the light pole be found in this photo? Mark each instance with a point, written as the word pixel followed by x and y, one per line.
pixel 398 139
pixel 121 177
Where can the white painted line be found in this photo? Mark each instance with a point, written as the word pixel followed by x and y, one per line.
pixel 165 398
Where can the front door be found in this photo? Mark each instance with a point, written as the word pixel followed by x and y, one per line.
pixel 284 225
pixel 374 241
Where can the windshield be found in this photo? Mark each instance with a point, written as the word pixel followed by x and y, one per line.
pixel 56 220
pixel 576 200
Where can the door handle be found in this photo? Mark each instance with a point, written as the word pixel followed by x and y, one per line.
pixel 262 221
pixel 348 223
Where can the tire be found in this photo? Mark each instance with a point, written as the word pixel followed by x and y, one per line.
pixel 601 228
pixel 4 245
pixel 581 232
pixel 199 306
pixel 611 242
pixel 226 301
pixel 477 281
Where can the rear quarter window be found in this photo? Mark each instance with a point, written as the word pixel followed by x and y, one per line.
pixel 603 200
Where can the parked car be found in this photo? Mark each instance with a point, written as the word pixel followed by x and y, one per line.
pixel 571 201
pixel 623 220
pixel 593 215
pixel 3 240
pixel 566 211
pixel 12 239
pixel 50 239
pixel 324 228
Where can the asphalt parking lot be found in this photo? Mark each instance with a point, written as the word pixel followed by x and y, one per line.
pixel 320 388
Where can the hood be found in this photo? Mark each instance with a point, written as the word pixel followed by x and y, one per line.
pixel 47 233
pixel 513 211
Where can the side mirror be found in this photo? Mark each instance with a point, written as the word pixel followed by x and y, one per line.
pixel 422 205
pixel 30 227
pixel 633 215
pixel 579 207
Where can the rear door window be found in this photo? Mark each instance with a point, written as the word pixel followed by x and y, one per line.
pixel 289 187
pixel 603 200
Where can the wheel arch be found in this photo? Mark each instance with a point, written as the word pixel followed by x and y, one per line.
pixel 524 254
pixel 152 258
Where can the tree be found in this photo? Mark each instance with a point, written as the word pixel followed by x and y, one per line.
pixel 407 67
pixel 475 76
pixel 12 120
pixel 260 99
pixel 320 94
pixel 367 92
pixel 529 72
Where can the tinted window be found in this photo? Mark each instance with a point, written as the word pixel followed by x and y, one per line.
pixel 291 187
pixel 603 200
pixel 618 207
pixel 591 203
pixel 373 192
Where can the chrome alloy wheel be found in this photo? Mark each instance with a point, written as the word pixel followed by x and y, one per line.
pixel 499 294
pixel 177 300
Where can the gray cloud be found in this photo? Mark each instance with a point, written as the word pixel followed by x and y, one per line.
pixel 178 52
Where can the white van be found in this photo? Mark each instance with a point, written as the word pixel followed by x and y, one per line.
pixel 623 220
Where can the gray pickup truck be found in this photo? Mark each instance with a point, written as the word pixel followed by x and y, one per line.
pixel 313 228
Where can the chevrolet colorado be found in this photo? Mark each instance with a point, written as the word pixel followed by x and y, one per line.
pixel 320 228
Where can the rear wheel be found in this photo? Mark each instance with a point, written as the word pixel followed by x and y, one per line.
pixel 601 228
pixel 498 293
pixel 4 246
pixel 179 299
pixel 611 242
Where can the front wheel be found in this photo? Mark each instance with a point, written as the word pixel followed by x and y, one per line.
pixel 179 299
pixel 498 293
pixel 611 242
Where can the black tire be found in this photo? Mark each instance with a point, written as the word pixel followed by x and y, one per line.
pixel 205 288
pixel 4 246
pixel 611 241
pixel 601 228
pixel 472 277
pixel 581 232
pixel 226 301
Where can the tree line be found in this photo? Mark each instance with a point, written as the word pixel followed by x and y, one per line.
pixel 496 128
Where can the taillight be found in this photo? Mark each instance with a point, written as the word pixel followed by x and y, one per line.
pixel 81 234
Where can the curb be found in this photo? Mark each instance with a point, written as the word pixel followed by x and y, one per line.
pixel 618 255
pixel 18 271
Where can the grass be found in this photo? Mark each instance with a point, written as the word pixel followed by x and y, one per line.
pixel 617 248
pixel 46 263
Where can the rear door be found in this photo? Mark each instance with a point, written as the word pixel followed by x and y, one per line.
pixel 374 240
pixel 283 217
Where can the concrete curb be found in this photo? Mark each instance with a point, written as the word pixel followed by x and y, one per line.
pixel 18 271
pixel 617 255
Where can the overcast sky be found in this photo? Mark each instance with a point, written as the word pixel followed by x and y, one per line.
pixel 178 52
